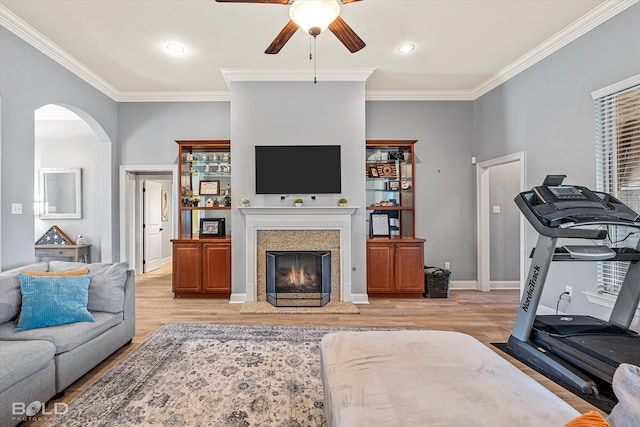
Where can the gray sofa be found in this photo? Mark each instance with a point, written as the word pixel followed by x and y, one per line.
pixel 37 364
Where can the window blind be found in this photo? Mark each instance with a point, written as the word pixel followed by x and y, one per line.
pixel 618 170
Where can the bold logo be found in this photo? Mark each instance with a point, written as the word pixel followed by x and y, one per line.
pixel 531 286
pixel 23 412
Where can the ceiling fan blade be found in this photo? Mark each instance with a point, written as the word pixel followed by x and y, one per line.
pixel 282 38
pixel 257 1
pixel 346 35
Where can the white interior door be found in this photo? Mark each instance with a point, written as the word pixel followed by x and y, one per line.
pixel 152 226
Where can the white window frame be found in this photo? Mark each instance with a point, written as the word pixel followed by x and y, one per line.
pixel 611 274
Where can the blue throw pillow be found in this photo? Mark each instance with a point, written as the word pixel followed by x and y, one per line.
pixel 53 300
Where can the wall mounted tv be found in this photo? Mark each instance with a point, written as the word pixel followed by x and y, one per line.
pixel 298 169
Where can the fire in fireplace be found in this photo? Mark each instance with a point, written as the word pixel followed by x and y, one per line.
pixel 298 278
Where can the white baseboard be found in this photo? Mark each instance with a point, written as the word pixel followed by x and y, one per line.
pixel 505 284
pixel 237 298
pixel 360 298
pixel 464 284
pixel 473 284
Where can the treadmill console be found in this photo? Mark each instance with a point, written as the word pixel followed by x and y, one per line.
pixel 553 205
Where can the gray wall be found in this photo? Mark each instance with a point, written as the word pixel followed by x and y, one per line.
pixel 444 175
pixel 29 80
pixel 274 113
pixel 548 112
pixel 148 131
pixel 504 227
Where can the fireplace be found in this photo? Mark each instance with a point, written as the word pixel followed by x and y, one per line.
pixel 298 278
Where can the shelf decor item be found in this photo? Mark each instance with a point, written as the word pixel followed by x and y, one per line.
pixel 55 236
pixel 343 202
pixel 379 225
pixel 212 227
pixel 209 188
pixel 298 202
pixel 245 202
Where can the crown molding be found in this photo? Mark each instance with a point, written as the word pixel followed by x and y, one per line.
pixel 586 23
pixel 418 95
pixel 295 74
pixel 583 25
pixel 175 96
pixel 26 32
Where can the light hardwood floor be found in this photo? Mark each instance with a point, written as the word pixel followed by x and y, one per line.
pixel 488 317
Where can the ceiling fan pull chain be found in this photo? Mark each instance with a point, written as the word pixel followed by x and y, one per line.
pixel 315 60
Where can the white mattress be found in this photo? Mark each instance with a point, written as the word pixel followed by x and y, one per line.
pixel 429 378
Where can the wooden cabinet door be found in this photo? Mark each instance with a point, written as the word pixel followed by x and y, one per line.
pixel 380 268
pixel 186 267
pixel 409 268
pixel 216 267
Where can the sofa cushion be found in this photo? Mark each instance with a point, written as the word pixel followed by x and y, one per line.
pixel 53 300
pixel 64 337
pixel 106 289
pixel 78 272
pixel 10 298
pixel 23 358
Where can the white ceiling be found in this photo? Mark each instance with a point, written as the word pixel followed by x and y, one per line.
pixel 464 48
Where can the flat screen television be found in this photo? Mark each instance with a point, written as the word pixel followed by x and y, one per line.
pixel 298 169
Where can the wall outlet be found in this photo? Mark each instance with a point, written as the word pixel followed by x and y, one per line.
pixel 16 208
pixel 447 265
pixel 569 289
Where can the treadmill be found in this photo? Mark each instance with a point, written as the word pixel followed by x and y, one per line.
pixel 576 349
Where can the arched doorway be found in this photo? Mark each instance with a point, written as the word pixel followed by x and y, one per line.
pixel 68 137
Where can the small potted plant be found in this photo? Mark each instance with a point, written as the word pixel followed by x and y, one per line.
pixel 297 202
pixel 244 202
pixel 343 202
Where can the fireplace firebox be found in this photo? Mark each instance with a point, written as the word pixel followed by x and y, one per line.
pixel 298 278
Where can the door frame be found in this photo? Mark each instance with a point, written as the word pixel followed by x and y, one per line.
pixel 128 195
pixel 483 218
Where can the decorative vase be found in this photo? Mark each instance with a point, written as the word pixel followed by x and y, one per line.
pixel 342 204
pixel 297 205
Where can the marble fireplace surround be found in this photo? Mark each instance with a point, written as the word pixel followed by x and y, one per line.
pixel 292 219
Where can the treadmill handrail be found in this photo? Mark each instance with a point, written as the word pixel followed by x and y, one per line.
pixel 577 233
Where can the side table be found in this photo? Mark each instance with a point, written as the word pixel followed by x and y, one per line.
pixel 75 252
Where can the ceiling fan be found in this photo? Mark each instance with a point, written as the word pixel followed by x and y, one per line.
pixel 305 14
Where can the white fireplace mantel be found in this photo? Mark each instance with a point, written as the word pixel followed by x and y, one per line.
pixel 302 218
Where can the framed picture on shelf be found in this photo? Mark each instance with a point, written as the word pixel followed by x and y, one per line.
pixel 212 227
pixel 379 225
pixel 387 170
pixel 405 185
pixel 209 188
pixel 393 185
pixel 373 172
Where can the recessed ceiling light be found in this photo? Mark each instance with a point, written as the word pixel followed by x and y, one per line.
pixel 406 48
pixel 175 48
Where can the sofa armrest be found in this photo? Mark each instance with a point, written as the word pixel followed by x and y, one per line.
pixel 130 303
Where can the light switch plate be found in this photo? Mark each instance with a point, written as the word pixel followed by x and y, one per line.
pixel 496 209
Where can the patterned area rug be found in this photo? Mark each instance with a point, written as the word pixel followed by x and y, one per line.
pixel 210 375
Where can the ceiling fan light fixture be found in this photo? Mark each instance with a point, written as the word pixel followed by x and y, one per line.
pixel 314 16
